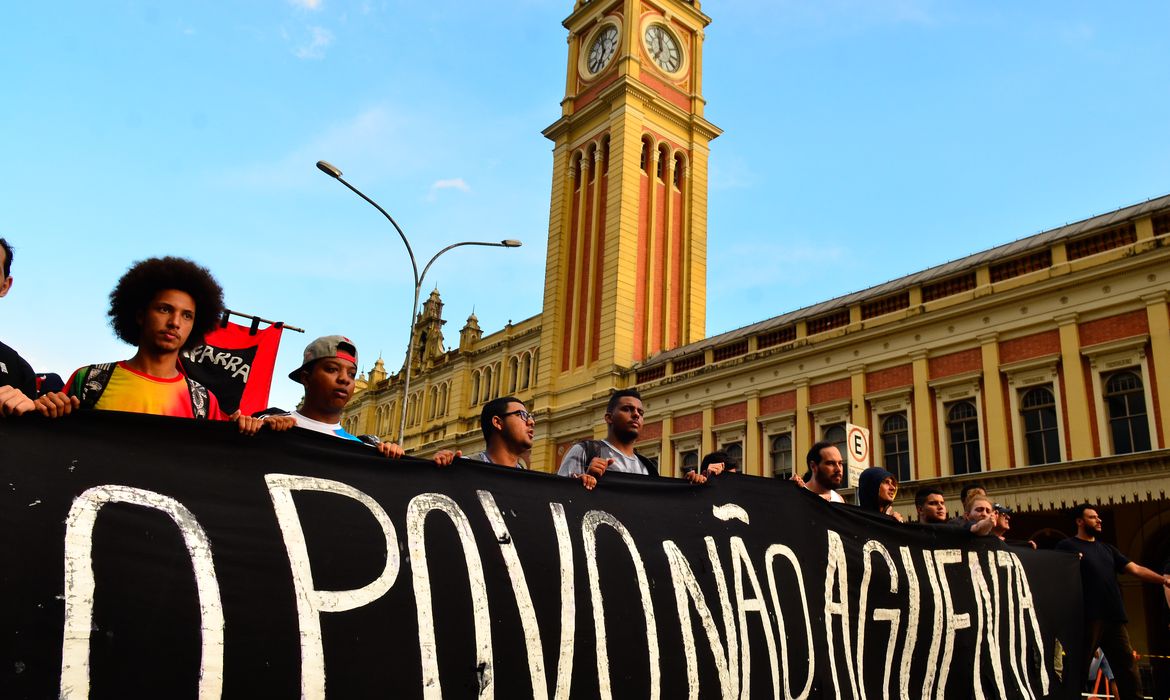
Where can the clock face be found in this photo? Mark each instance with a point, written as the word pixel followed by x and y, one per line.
pixel 603 48
pixel 663 48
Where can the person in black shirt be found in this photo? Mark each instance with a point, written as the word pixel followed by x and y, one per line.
pixel 1104 612
pixel 18 382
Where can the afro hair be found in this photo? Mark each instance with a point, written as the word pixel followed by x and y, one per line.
pixel 146 278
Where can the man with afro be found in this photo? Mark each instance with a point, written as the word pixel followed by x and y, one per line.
pixel 161 306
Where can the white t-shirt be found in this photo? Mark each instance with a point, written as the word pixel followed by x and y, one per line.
pixel 832 496
pixel 333 429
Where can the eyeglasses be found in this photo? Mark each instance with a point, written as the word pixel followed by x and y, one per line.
pixel 522 414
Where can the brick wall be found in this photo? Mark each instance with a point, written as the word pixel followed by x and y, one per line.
pixel 902 375
pixel 955 363
pixel 691 421
pixel 830 391
pixel 651 431
pixel 1115 327
pixel 778 403
pixel 728 414
pixel 1035 345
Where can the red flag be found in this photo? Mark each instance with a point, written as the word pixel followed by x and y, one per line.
pixel 236 363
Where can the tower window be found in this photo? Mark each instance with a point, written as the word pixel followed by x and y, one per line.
pixel 679 170
pixel 646 155
pixel 663 156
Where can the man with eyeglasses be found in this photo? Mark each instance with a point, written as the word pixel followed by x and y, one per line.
pixel 508 429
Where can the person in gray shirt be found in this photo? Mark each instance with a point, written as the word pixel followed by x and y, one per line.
pixel 588 460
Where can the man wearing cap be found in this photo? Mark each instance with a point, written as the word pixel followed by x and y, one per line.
pixel 327 372
pixel 1003 517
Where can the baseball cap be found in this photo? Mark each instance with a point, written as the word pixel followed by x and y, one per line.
pixel 1002 509
pixel 326 346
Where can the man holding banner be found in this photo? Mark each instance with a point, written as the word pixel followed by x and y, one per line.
pixel 826 471
pixel 327 372
pixel 161 305
pixel 17 380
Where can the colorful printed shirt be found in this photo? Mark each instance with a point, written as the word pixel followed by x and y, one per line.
pixel 333 429
pixel 136 392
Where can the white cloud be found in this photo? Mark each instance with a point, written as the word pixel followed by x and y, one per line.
pixel 455 183
pixel 306 4
pixel 315 49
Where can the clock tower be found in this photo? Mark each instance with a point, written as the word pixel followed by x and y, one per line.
pixel 626 271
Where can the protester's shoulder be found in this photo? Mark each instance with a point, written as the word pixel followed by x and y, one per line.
pixel 11 355
pixel 1069 544
pixel 573 461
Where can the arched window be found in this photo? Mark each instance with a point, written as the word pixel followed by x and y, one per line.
pixel 645 162
pixel 432 402
pixel 486 387
pixel 577 171
pixel 526 371
pixel 780 452
pixel 663 158
pixel 896 444
pixel 680 167
pixel 513 374
pixel 1041 438
pixel 443 399
pixel 1125 400
pixel 475 387
pixel 605 155
pixel 963 433
pixel 591 159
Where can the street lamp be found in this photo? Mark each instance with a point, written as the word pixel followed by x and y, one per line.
pixel 333 172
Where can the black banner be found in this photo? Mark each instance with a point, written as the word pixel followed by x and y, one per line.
pixel 163 557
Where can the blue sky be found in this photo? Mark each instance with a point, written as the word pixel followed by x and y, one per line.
pixel 864 140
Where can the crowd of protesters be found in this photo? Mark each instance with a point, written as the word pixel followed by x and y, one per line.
pixel 162 306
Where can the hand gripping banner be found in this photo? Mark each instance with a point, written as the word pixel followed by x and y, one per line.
pixel 235 362
pixel 161 557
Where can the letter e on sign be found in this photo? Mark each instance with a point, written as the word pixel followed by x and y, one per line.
pixel 856 450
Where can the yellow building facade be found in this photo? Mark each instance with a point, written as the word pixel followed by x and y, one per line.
pixel 1040 368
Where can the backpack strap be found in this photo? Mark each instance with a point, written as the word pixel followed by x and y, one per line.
pixel 90 382
pixel 592 450
pixel 199 398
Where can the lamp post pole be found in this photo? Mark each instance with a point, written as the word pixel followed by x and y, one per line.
pixel 335 173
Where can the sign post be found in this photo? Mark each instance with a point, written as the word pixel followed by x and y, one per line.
pixel 857 451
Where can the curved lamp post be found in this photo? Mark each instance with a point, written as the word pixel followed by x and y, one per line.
pixel 335 173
